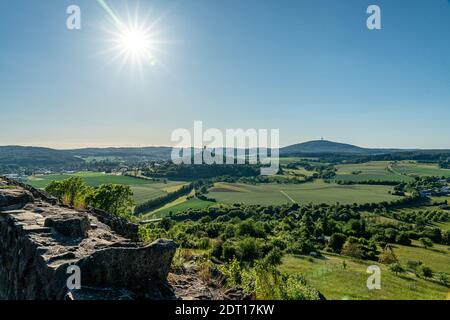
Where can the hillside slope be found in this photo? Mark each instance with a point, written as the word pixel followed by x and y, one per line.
pixel 325 146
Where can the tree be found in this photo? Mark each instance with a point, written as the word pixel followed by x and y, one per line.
pixel 388 256
pixel 336 242
pixel 402 238
pixel 166 223
pixel 72 191
pixel 426 242
pixel 390 234
pixel 396 268
pixel 273 258
pixel 112 198
pixel 352 249
pixel 425 272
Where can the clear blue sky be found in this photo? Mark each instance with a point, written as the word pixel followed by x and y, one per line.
pixel 310 68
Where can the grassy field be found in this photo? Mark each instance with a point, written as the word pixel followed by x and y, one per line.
pixel 143 190
pixel 436 257
pixel 315 192
pixel 179 205
pixel 335 282
pixel 419 169
pixel 375 170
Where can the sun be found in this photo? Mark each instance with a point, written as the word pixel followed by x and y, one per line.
pixel 134 45
pixel 134 42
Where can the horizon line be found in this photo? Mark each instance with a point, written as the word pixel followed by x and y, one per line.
pixel 79 147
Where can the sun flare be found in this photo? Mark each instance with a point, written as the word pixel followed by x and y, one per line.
pixel 134 45
pixel 134 42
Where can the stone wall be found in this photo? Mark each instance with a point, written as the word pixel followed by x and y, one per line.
pixel 40 239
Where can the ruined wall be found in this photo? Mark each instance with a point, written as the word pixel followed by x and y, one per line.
pixel 39 239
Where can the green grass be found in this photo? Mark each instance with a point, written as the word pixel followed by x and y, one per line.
pixel 143 190
pixel 179 205
pixel 314 192
pixel 336 283
pixel 412 168
pixel 436 257
pixel 374 170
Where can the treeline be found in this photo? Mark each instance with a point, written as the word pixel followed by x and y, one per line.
pixel 183 171
pixel 369 182
pixel 420 155
pixel 419 184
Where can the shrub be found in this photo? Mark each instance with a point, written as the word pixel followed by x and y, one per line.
pixel 229 250
pixel 217 249
pixel 249 249
pixel 251 229
pixel 443 278
pixel 426 242
pixel 403 238
pixel 72 191
pixel 352 250
pixel 396 268
pixel 390 235
pixel 425 272
pixel 337 241
pixel 388 256
pixel 274 257
pixel 232 273
pixel 270 284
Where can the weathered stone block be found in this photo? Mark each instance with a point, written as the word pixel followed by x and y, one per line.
pixel 69 226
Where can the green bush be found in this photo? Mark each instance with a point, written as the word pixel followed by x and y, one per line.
pixel 337 241
pixel 425 272
pixel 396 268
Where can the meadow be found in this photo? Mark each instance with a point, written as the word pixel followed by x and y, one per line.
pixel 343 278
pixel 179 205
pixel 412 168
pixel 143 190
pixel 313 192
pixel 374 170
pixel 436 257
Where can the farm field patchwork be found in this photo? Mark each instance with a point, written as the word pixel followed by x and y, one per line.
pixel 337 282
pixel 143 190
pixel 315 192
pixel 374 170
pixel 419 169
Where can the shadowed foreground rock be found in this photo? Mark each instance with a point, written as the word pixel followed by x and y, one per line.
pixel 40 239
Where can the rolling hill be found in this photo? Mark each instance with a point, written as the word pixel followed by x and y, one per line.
pixel 325 146
pixel 34 156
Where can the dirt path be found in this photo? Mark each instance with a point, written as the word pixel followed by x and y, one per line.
pixel 287 196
